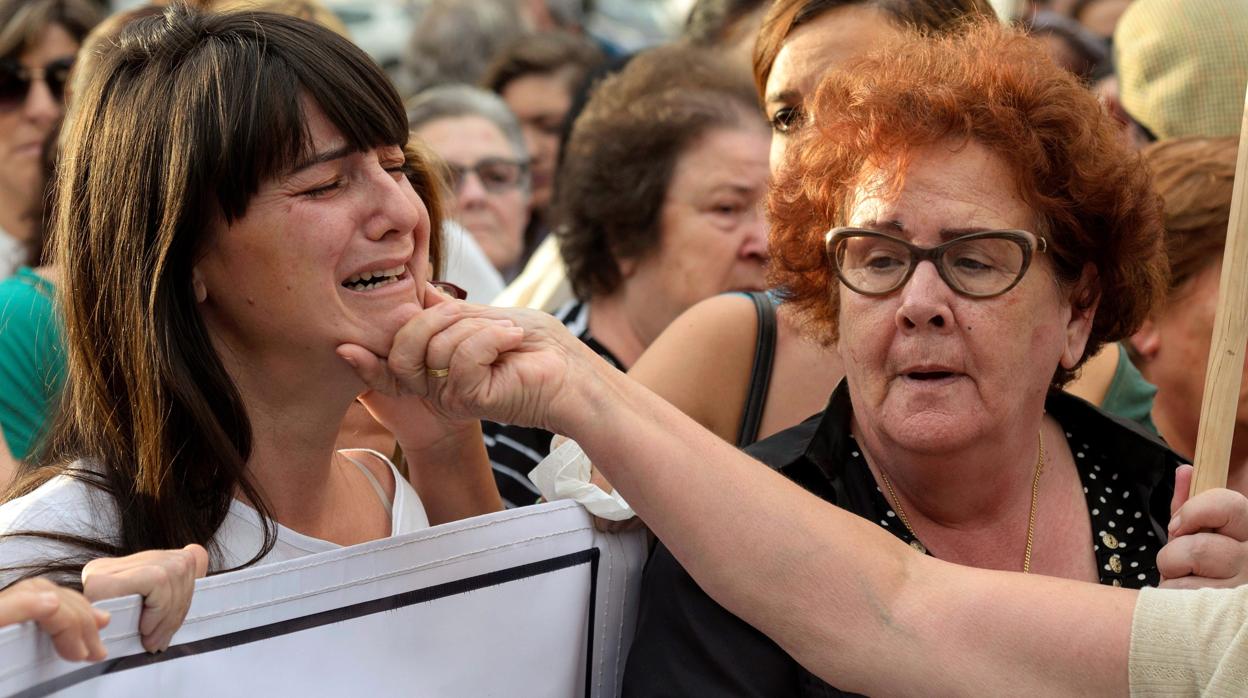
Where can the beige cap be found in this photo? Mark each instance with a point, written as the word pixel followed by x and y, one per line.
pixel 1183 65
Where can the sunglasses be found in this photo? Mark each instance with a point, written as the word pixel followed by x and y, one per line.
pixel 16 80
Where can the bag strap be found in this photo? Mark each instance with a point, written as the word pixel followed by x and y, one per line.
pixel 760 373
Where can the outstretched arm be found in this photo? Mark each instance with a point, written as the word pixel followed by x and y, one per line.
pixel 846 599
pixel 855 606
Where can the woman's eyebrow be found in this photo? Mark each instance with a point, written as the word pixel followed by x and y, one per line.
pixel 318 158
pixel 783 97
pixel 946 234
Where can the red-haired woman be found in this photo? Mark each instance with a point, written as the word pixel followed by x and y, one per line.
pixel 985 234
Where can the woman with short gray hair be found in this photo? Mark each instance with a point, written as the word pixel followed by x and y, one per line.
pixel 481 141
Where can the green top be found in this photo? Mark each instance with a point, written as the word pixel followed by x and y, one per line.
pixel 1129 395
pixel 32 359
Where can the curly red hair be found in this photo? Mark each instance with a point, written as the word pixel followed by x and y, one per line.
pixel 1092 197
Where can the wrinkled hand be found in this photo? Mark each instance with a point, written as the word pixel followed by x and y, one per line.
pixel 164 578
pixel 406 414
pixel 64 614
pixel 506 364
pixel 1208 544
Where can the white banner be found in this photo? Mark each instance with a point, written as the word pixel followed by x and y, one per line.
pixel 527 602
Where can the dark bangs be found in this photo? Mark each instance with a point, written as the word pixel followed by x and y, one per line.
pixel 273 64
pixel 234 91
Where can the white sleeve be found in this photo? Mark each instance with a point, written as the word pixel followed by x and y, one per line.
pixel 62 505
pixel 1190 642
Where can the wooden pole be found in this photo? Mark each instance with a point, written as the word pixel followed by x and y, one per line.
pixel 1230 335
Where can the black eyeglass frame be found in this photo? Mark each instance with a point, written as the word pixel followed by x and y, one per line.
pixel 55 74
pixel 1028 241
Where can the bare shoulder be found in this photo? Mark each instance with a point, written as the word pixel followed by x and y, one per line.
pixel 1096 375
pixel 701 362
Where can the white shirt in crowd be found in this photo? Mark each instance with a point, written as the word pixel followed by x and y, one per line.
pixel 467 266
pixel 66 504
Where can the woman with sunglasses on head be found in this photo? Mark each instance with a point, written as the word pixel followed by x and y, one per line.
pixel 238 196
pixel 482 143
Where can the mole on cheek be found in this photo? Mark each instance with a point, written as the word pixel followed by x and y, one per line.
pixel 251 301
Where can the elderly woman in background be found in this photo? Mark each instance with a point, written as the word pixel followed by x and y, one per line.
pixel 659 206
pixel 38 42
pixel 1195 177
pixel 987 233
pixel 478 137
pixel 199 444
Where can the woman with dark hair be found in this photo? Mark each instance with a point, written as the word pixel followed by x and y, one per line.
pixel 659 206
pixel 537 75
pixel 238 197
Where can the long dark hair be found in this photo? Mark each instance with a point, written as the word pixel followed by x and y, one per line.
pixel 183 118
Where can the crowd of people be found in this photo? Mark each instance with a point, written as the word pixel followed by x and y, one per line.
pixel 909 300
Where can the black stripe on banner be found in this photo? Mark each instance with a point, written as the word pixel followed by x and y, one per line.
pixel 337 615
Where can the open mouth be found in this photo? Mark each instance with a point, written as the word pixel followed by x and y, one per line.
pixel 929 375
pixel 369 280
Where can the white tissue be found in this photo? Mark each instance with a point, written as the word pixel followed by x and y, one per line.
pixel 564 474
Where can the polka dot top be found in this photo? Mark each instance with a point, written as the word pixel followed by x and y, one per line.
pixel 1127 476
pixel 1123 537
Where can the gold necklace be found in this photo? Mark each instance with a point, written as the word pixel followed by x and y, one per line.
pixel 1031 516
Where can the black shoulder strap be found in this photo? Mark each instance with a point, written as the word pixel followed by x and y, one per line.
pixel 760 374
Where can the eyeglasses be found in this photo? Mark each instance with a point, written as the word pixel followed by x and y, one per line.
pixel 497 175
pixel 450 289
pixel 979 265
pixel 16 80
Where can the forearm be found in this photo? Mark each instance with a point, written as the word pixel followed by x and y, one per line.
pixel 853 604
pixel 453 475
